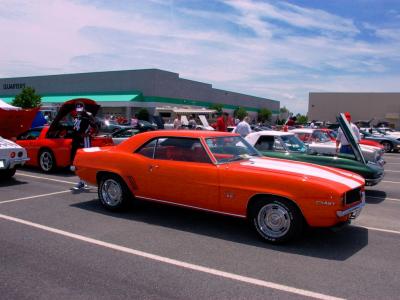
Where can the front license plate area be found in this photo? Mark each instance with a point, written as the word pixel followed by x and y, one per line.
pixel 2 165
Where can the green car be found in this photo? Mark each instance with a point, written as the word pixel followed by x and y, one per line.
pixel 286 145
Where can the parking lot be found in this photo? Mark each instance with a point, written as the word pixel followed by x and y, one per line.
pixel 60 244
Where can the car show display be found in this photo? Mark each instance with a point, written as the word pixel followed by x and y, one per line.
pixel 319 142
pixel 49 147
pixel 222 173
pixel 389 142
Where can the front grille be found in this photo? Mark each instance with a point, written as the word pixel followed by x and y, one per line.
pixel 352 196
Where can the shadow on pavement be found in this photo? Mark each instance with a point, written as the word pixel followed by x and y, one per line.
pixel 378 196
pixel 11 182
pixel 321 243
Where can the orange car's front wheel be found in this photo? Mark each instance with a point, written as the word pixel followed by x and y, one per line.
pixel 277 220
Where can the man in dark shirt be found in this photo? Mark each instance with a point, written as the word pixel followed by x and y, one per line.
pixel 84 127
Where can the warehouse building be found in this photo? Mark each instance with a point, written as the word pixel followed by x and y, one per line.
pixel 125 92
pixel 362 106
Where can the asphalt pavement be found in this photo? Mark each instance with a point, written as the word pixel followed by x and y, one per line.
pixel 56 244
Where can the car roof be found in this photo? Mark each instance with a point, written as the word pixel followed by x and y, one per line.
pixel 305 130
pixel 271 132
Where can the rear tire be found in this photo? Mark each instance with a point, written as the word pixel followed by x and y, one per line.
pixel 113 193
pixel 47 161
pixel 277 220
pixel 7 174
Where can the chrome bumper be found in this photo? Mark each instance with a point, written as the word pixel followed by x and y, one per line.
pixel 354 211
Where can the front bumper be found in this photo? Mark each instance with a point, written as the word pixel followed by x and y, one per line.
pixel 353 211
pixel 374 181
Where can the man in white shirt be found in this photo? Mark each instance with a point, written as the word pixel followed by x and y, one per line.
pixel 341 140
pixel 243 128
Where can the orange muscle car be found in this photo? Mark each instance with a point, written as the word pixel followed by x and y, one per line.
pixel 220 172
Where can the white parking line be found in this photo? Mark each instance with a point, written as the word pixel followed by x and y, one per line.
pixel 46 178
pixel 379 229
pixel 175 262
pixel 394 171
pixel 386 181
pixel 37 196
pixel 390 199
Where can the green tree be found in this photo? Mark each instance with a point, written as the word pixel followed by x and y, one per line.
pixel 143 114
pixel 27 98
pixel 217 106
pixel 264 114
pixel 283 110
pixel 301 119
pixel 240 113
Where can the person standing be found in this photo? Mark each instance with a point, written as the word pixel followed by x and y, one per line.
pixel 243 128
pixel 341 140
pixel 84 127
pixel 192 122
pixel 222 122
pixel 177 123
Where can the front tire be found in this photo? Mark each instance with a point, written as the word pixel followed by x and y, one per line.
pixel 47 161
pixel 113 193
pixel 277 221
pixel 387 146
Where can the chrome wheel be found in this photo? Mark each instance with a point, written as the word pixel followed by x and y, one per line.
pixel 46 161
pixel 111 192
pixel 273 220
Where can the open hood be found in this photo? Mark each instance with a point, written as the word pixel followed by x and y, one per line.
pixel 68 107
pixel 346 128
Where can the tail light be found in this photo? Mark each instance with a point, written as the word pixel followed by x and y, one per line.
pixel 12 154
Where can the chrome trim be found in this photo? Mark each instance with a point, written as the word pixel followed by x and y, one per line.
pixel 189 206
pixel 374 181
pixel 355 209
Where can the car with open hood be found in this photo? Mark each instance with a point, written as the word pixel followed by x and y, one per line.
pixel 12 156
pixel 319 142
pixel 49 147
pixel 286 145
pixel 221 172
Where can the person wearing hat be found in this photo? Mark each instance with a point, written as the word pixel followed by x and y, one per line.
pixel 84 127
pixel 341 140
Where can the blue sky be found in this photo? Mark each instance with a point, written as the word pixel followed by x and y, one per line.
pixel 275 49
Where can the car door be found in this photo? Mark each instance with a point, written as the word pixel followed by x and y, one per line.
pixel 182 172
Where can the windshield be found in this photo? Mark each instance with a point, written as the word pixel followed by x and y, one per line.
pixel 320 136
pixel 230 148
pixel 293 143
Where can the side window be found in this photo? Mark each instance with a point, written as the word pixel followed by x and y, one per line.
pixel 265 143
pixel 303 136
pixel 181 149
pixel 278 145
pixel 147 149
pixel 32 134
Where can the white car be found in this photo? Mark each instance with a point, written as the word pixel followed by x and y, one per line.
pixel 318 141
pixel 11 157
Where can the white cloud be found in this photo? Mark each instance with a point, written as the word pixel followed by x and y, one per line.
pixel 51 37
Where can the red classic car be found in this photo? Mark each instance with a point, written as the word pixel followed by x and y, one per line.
pixel 49 147
pixel 221 172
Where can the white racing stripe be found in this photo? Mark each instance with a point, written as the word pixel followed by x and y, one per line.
pixel 302 169
pixel 37 196
pixel 177 263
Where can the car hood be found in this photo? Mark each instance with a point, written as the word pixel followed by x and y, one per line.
pixel 346 128
pixel 68 107
pixel 7 144
pixel 305 170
